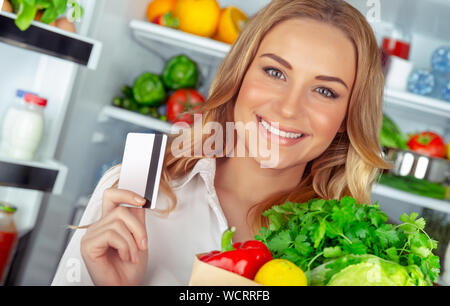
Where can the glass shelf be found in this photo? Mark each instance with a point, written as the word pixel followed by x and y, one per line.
pixel 50 40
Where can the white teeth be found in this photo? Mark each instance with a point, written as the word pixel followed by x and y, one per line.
pixel 276 131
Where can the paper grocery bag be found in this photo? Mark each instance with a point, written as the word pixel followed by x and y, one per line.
pixel 204 274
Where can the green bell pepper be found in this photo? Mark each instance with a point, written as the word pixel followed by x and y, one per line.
pixel 180 72
pixel 148 89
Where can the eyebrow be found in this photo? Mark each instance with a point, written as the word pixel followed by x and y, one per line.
pixel 278 59
pixel 331 79
pixel 288 66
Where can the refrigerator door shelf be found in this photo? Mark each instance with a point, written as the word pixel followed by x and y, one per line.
pixel 47 176
pixel 51 41
pixel 153 37
pixel 419 103
pixel 137 119
pixel 411 199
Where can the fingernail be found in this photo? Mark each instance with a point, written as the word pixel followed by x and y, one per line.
pixel 144 244
pixel 140 200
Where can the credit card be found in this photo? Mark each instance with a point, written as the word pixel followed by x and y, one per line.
pixel 142 162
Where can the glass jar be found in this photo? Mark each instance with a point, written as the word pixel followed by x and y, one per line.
pixel 8 237
pixel 23 127
pixel 8 121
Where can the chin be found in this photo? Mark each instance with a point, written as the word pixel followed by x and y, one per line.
pixel 275 163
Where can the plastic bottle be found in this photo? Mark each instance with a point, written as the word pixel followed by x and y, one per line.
pixel 440 60
pixel 397 42
pixel 421 82
pixel 445 91
pixel 440 64
pixel 8 238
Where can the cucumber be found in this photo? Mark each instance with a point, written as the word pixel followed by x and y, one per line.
pixel 415 186
pixel 391 136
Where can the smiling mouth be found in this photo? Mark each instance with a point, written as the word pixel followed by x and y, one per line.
pixel 289 134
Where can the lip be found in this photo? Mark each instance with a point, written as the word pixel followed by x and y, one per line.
pixel 276 138
pixel 280 127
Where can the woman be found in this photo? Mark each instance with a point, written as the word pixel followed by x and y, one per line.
pixel 313 69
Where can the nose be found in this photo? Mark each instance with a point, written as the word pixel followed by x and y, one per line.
pixel 291 103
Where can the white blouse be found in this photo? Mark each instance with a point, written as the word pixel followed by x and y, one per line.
pixel 194 226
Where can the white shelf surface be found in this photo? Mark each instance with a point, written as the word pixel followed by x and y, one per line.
pixel 137 119
pixel 144 30
pixel 406 197
pixel 420 103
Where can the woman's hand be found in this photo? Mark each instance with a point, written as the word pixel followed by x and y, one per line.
pixel 115 248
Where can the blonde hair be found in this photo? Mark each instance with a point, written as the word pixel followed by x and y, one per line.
pixel 328 176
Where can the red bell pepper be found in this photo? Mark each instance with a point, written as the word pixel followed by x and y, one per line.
pixel 244 259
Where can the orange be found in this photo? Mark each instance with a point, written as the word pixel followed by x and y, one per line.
pixel 159 7
pixel 231 23
pixel 199 17
pixel 448 151
pixel 7 7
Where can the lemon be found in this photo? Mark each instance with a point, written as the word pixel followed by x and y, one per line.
pixel 280 272
pixel 231 23
pixel 198 17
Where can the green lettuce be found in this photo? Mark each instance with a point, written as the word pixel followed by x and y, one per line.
pixel 366 270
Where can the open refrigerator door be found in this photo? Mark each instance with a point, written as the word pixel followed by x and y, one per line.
pixel 42 62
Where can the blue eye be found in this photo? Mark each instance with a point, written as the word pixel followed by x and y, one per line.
pixel 274 73
pixel 327 93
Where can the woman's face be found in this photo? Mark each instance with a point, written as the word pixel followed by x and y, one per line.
pixel 301 78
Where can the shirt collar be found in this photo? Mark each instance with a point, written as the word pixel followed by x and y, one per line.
pixel 206 167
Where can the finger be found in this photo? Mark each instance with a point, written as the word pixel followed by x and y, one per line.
pixel 134 225
pixel 119 226
pixel 99 244
pixel 139 214
pixel 113 197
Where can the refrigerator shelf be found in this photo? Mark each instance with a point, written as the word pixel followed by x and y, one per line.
pixel 47 176
pixel 412 199
pixel 148 33
pixel 137 119
pixel 50 40
pixel 416 102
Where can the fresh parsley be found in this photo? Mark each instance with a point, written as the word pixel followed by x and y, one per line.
pixel 313 233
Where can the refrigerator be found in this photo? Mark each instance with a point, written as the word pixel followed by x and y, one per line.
pixel 85 134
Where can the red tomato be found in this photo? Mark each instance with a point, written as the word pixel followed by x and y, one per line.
pixel 427 143
pixel 182 104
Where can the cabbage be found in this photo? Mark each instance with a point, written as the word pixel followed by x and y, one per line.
pixel 366 270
